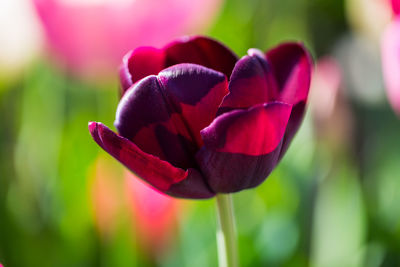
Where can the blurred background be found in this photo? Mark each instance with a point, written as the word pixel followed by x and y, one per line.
pixel 332 201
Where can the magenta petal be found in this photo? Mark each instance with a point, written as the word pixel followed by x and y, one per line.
pixel 390 46
pixel 252 82
pixel 194 92
pixel 144 61
pixel 139 63
pixel 164 114
pixel 292 65
pixel 396 7
pixel 156 172
pixel 242 147
pixel 203 51
pixel 296 117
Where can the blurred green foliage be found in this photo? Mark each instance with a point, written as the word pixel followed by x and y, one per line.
pixel 322 206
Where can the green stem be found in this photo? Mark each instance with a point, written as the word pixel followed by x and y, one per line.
pixel 226 232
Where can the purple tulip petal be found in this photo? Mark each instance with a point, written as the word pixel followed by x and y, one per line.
pixel 156 172
pixel 296 117
pixel 139 63
pixel 195 92
pixel 252 82
pixel 292 65
pixel 146 117
pixel 203 51
pixel 194 186
pixel 242 147
pixel 164 114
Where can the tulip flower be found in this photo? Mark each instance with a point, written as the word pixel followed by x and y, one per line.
pixel 391 63
pixel 189 131
pixel 91 36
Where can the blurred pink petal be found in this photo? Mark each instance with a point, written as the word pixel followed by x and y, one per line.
pixel 332 117
pixel 396 6
pixel 155 214
pixel 325 86
pixel 391 63
pixel 92 36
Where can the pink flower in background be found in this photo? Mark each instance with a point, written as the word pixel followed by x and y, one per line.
pixel 391 63
pixel 91 36
pixel 325 86
pixel 155 215
pixel 396 6
pixel 332 117
pixel 390 49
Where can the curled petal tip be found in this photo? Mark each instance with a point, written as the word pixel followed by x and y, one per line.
pixel 255 52
pixel 92 126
